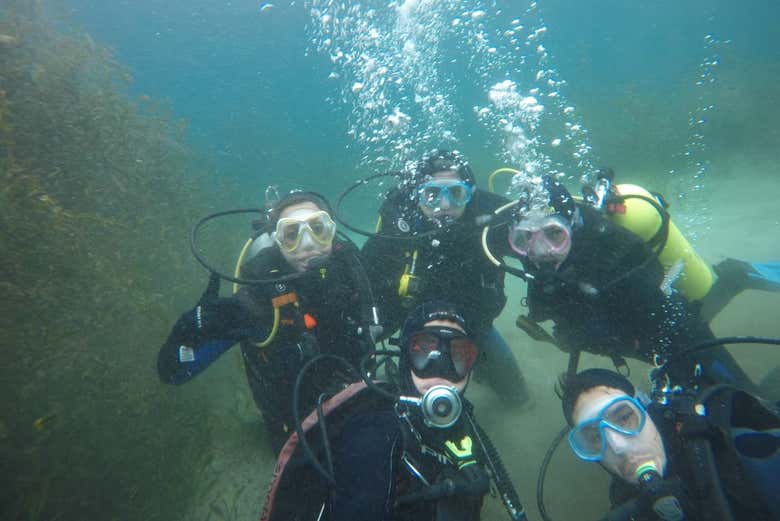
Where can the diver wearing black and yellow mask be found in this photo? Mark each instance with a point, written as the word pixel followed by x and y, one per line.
pixel 411 452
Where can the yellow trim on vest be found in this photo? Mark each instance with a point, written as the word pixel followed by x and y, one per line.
pixel 462 455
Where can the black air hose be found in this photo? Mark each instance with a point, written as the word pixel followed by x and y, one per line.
pixel 506 488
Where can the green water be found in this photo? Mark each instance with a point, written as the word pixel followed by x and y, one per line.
pixel 100 184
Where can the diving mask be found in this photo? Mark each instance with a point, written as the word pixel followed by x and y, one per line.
pixel 623 415
pixel 541 238
pixel 457 193
pixel 318 226
pixel 441 352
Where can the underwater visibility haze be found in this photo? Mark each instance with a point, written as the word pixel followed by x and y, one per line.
pixel 123 122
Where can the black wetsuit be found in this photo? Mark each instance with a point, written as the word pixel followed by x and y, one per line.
pixel 369 445
pixel 739 430
pixel 605 298
pixel 330 299
pixel 448 266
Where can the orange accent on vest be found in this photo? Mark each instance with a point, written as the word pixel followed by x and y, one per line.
pixel 309 321
pixel 283 300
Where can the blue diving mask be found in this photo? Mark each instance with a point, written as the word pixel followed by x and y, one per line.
pixel 624 415
pixel 458 193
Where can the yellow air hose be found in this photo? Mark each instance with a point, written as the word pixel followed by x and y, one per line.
pixel 491 177
pixel 277 314
pixel 485 248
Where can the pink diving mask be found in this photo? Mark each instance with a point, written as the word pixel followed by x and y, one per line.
pixel 543 239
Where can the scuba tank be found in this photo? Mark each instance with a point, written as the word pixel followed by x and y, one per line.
pixel 262 238
pixel 637 210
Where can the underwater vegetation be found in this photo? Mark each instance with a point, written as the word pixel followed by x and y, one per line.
pixel 95 191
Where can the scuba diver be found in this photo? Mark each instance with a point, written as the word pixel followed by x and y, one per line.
pixel 604 286
pixel 412 453
pixel 427 246
pixel 308 295
pixel 710 454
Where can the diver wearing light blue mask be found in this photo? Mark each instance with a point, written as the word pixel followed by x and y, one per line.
pixel 690 456
pixel 427 246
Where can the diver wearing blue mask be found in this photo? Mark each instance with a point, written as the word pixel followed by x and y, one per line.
pixel 428 246
pixel 709 454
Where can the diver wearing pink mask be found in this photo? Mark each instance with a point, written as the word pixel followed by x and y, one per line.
pixel 601 286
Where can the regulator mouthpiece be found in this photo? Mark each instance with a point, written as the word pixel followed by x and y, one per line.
pixel 644 468
pixel 440 406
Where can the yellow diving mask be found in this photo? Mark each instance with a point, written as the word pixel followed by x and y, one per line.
pixel 318 226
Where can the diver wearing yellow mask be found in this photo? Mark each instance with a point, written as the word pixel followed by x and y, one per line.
pixel 314 301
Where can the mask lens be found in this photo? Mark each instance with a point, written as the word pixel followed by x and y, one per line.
pixel 555 234
pixel 459 194
pixel 288 233
pixel 317 228
pixel 322 227
pixel 623 415
pixel 464 354
pixel 431 194
pixel 586 440
pixel 423 348
pixel 519 239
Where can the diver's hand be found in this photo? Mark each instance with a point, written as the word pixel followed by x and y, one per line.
pixel 214 318
pixel 472 480
pixel 220 319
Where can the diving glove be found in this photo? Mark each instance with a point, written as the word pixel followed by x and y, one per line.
pixel 214 318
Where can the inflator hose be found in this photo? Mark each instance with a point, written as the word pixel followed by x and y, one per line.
pixel 506 488
pixel 543 472
pixel 714 342
pixel 327 475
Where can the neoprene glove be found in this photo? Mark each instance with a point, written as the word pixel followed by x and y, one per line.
pixel 214 318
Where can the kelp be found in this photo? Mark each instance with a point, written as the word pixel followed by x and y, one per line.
pixel 97 191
